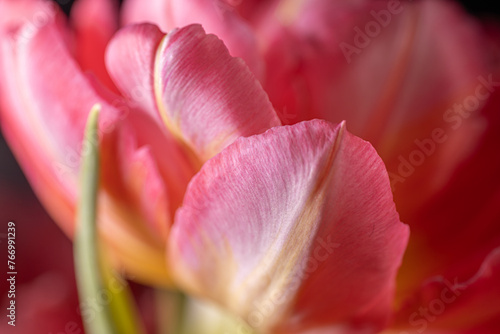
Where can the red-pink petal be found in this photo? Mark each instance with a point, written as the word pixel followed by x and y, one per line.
pixel 347 86
pixel 302 214
pixel 428 57
pixel 206 97
pixel 94 22
pixel 45 100
pixel 452 304
pixel 43 114
pixel 460 223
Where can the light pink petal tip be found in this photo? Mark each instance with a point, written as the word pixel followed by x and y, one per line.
pixel 292 229
pixel 206 97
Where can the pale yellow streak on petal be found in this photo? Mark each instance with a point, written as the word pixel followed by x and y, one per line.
pixel 284 267
pixel 173 125
pixel 276 270
pixel 132 246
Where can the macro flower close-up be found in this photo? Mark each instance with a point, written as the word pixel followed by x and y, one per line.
pixel 250 167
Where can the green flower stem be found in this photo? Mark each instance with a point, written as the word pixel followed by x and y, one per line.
pixel 95 279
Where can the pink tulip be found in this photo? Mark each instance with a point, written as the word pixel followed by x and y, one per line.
pixel 292 227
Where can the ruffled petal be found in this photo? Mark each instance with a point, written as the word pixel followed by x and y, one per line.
pixel 292 229
pixel 206 97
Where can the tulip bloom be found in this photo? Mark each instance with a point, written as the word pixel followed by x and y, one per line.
pixel 291 227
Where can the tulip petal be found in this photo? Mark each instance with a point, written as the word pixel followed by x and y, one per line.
pixel 94 23
pixel 217 17
pixel 130 60
pixel 205 96
pixel 450 304
pixel 298 224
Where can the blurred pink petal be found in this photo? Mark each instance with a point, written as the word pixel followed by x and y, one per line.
pixel 45 292
pixel 428 55
pixel 216 17
pixel 94 23
pixel 455 304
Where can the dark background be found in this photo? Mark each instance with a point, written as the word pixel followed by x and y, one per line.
pixel 482 7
